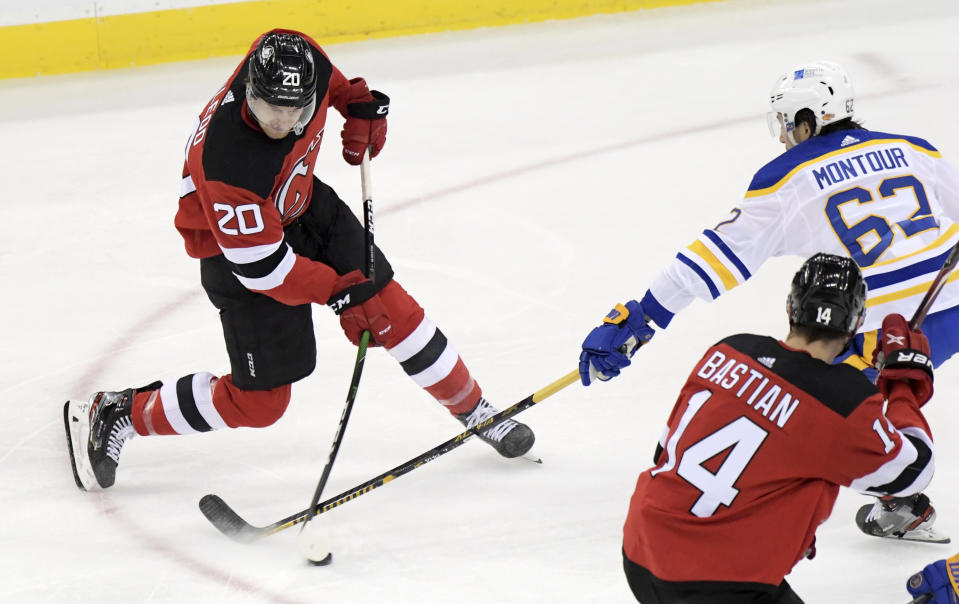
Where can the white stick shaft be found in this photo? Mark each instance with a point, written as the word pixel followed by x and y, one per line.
pixel 367 181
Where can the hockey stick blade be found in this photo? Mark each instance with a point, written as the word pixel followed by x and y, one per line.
pixel 228 522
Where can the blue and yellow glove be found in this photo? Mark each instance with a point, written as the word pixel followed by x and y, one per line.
pixel 937 583
pixel 609 347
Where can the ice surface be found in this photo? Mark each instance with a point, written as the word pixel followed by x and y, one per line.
pixel 534 175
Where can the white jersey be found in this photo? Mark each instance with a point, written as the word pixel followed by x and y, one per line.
pixel 890 202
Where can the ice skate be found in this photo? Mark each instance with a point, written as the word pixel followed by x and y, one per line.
pixel 906 518
pixel 96 432
pixel 510 438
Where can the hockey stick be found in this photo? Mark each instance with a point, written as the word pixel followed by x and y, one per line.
pixel 952 259
pixel 937 284
pixel 233 526
pixel 364 340
pixel 922 599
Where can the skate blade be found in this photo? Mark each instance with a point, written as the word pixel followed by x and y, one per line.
pixel 76 423
pixel 531 456
pixel 924 535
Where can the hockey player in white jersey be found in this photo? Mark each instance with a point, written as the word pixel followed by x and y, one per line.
pixel 889 201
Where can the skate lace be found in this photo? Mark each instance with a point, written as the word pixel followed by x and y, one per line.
pixel 499 431
pixel 122 432
pixel 483 412
pixel 897 519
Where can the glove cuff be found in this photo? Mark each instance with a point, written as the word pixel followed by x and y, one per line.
pixel 908 358
pixel 351 296
pixel 376 109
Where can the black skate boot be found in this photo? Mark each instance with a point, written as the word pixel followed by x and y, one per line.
pixel 509 438
pixel 96 430
pixel 908 518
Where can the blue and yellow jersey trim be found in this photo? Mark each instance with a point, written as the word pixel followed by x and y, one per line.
pixel 908 292
pixel 862 350
pixel 771 177
pixel 926 261
pixel 711 252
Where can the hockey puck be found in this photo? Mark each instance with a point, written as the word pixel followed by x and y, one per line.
pixel 324 562
pixel 314 545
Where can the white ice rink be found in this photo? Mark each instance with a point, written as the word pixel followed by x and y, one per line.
pixel 533 176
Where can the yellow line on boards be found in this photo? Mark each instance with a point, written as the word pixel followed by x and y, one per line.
pixel 113 41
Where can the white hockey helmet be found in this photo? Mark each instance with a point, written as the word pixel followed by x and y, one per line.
pixel 822 87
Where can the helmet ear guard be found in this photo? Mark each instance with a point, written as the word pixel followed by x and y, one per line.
pixel 828 292
pixel 822 87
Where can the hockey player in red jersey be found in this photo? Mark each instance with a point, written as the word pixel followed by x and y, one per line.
pixel 272 240
pixel 888 201
pixel 762 436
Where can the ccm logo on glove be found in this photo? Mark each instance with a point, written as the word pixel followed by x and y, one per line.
pixel 340 303
pixel 356 301
pixel 365 125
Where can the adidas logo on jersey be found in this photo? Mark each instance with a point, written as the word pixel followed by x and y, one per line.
pixel 849 140
pixel 228 98
pixel 767 361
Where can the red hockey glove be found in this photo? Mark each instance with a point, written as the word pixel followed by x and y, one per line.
pixel 359 308
pixel 365 123
pixel 903 354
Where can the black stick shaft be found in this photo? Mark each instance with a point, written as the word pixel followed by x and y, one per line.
pixel 229 522
pixel 364 339
pixel 423 458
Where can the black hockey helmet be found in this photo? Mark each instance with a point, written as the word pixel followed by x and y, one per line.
pixel 828 292
pixel 281 70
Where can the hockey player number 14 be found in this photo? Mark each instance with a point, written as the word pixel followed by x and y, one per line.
pixel 741 436
pixel 882 234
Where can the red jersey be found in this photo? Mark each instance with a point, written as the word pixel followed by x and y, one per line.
pixel 756 447
pixel 240 188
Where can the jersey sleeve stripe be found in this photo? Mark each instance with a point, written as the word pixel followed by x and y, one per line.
pixel 264 266
pixel 905 473
pixel 922 267
pixel 916 475
pixel 656 311
pixel 713 290
pixel 275 278
pixel 914 433
pixel 908 292
pixel 729 281
pixel 249 255
pixel 187 186
pixel 728 253
pixel 857 362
